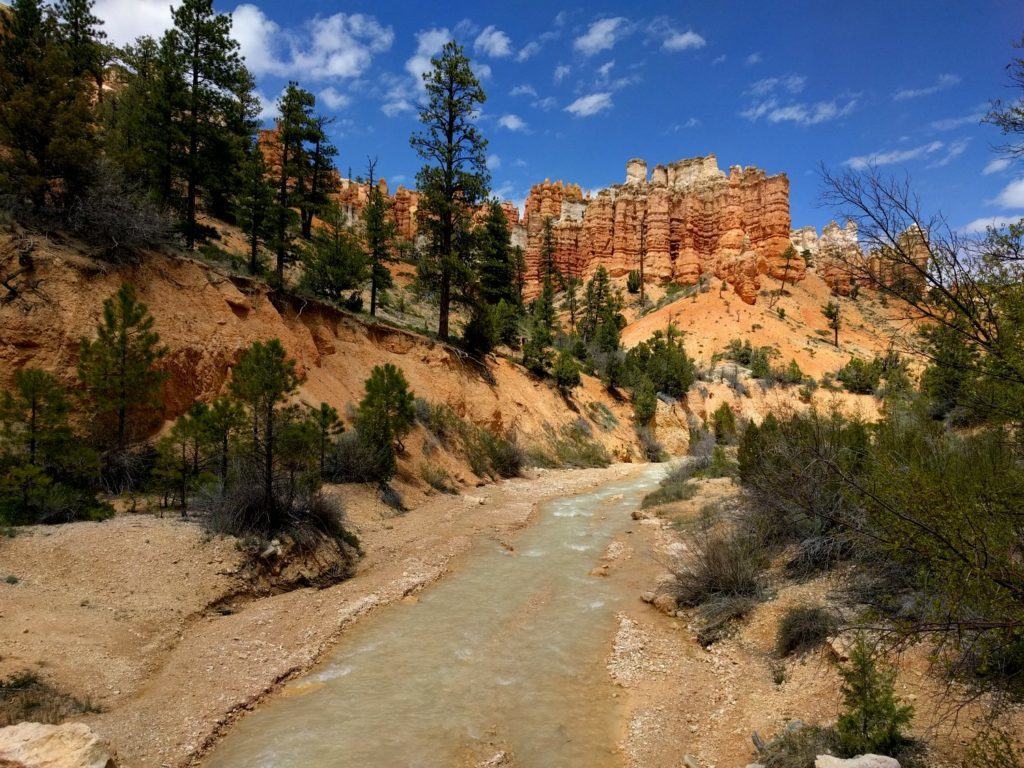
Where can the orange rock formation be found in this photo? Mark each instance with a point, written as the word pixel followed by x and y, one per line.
pixel 689 219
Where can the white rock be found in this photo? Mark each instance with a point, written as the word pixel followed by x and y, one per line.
pixel 861 761
pixel 35 745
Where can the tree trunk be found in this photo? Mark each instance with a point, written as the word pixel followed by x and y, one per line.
pixel 268 453
pixel 444 302
pixel 373 290
pixel 193 147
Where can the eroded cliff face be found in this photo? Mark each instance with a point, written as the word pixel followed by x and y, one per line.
pixel 689 219
pixel 206 319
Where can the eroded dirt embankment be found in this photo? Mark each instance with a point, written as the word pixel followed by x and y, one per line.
pixel 133 614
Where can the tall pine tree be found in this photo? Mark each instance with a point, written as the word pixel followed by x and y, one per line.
pixel 254 203
pixel 380 232
pixel 454 178
pixel 118 367
pixel 293 128
pixel 218 100
pixel 495 260
pixel 46 119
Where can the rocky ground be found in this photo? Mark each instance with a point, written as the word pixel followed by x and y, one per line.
pixel 149 620
pixel 687 702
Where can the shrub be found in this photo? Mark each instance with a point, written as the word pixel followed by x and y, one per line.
pixel 645 403
pixel 860 376
pixel 720 465
pixel 24 697
pixel 803 628
pixel 995 748
pixel 571 447
pixel 633 281
pixel 566 371
pixel 439 419
pixel 117 217
pixel 650 447
pixel 354 460
pixel 670 490
pixel 479 335
pixel 723 421
pixel 437 478
pixel 873 718
pixel 722 565
pixel 491 454
pixel 797 746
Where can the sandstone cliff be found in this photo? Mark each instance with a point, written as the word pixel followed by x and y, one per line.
pixel 689 219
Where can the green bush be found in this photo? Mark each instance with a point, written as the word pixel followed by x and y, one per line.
pixel 633 281
pixel 797 747
pixel 723 422
pixel 803 628
pixel 566 371
pixel 645 402
pixel 720 465
pixel 722 565
pixel 873 718
pixel 861 376
pixel 437 478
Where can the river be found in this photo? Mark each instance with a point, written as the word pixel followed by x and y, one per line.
pixel 506 653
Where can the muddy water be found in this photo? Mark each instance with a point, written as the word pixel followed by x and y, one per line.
pixel 508 652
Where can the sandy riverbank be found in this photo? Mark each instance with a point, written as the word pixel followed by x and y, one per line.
pixel 681 699
pixel 148 618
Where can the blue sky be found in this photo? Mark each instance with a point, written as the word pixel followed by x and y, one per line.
pixel 575 90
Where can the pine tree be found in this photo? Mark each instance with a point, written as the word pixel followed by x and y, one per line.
pixel 334 261
pixel 118 368
pixel 218 99
pixel 178 455
pixel 142 133
pixel 571 301
pixel 454 178
pixel 380 233
pixel 547 266
pixel 537 349
pixel 254 205
pixel 263 379
pixel 389 397
pixel 218 425
pixel 832 314
pixel 46 120
pixel 318 181
pixel 328 426
pixel 293 128
pixel 83 38
pixel 873 718
pixel 34 418
pixel 496 266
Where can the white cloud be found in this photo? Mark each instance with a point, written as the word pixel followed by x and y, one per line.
pixel 942 83
pixel 493 162
pixel 512 122
pixel 481 70
pixel 692 122
pixel 338 46
pixel 529 50
pixel 125 20
pixel 718 60
pixel 396 107
pixel 268 108
pixel 891 157
pixel 524 89
pixel 754 58
pixel 601 35
pixel 953 150
pixel 768 85
pixel 548 102
pixel 1012 195
pixel 429 43
pixel 683 41
pixel 561 72
pixel 606 69
pixel 592 104
pixel 493 42
pixel 998 165
pixel 981 225
pixel 800 113
pixel 952 123
pixel 334 98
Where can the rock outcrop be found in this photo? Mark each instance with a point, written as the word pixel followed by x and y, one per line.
pixel 689 219
pixel 35 745
pixel 845 266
